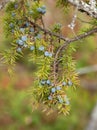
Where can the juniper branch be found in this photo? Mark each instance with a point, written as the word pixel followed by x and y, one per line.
pixel 77 38
pixel 61 48
pixel 67 41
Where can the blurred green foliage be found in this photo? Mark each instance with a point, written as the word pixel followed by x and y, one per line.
pixel 16 107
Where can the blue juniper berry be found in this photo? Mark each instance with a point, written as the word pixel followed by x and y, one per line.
pixel 16 6
pixel 12 30
pixel 41 10
pixel 60 99
pixel 22 30
pixel 11 25
pixel 64 83
pixel 24 38
pixel 43 82
pixel 20 42
pixel 48 82
pixel 69 83
pixel 53 90
pixel 58 88
pixel 46 53
pixel 13 14
pixel 19 49
pixel 43 7
pixel 32 48
pixel 50 97
pixel 27 24
pixel 31 29
pixel 41 48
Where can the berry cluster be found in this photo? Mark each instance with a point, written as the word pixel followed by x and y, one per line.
pixel 22 42
pixel 42 9
pixel 26 31
pixel 55 92
pixel 48 54
pixel 48 82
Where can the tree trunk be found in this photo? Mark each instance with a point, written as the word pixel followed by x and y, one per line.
pixel 93 121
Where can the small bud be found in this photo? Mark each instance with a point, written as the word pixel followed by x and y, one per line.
pixel 66 100
pixel 30 12
pixel 25 45
pixel 38 36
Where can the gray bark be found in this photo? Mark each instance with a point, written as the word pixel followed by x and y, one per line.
pixel 93 121
pixel 87 70
pixel 90 8
pixel 3 3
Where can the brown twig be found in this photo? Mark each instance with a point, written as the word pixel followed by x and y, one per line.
pixel 67 40
pixel 61 48
pixel 48 32
pixel 76 38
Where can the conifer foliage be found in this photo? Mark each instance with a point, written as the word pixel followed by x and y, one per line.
pixel 56 68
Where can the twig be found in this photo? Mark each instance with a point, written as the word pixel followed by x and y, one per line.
pixel 56 61
pixel 67 40
pixel 48 32
pixel 84 21
pixel 78 37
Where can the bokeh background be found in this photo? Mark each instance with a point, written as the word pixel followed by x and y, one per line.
pixel 15 93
